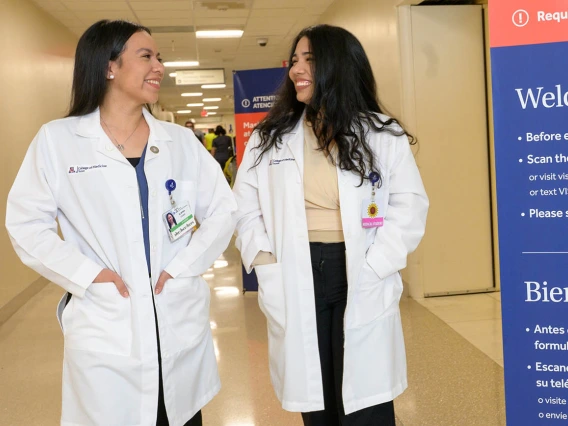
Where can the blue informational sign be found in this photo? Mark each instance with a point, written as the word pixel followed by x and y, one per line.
pixel 255 89
pixel 530 98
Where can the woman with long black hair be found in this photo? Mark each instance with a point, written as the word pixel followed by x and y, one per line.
pixel 330 205
pixel 135 316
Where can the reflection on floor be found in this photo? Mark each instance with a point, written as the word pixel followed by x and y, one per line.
pixel 453 356
pixel 476 317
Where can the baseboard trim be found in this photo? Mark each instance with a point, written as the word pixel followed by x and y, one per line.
pixel 15 304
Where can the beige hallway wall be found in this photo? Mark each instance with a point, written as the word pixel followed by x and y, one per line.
pixel 36 70
pixel 374 23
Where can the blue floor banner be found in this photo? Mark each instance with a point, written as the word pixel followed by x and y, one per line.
pixel 529 62
pixel 255 93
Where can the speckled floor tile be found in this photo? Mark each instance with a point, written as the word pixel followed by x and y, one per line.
pixel 485 335
pixel 468 307
pixel 450 381
pixel 31 357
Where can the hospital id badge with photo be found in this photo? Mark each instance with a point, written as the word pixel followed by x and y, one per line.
pixel 179 221
pixel 371 217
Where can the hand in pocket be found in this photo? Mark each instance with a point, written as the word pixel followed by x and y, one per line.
pixel 108 276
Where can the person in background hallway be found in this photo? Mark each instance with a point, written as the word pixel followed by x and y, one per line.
pixel 198 133
pixel 330 205
pixel 135 318
pixel 222 148
pixel 209 139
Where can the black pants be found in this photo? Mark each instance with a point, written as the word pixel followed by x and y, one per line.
pixel 222 162
pixel 162 419
pixel 330 288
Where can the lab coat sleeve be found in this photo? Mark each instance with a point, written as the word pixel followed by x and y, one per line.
pixel 214 207
pixel 405 220
pixel 252 237
pixel 31 223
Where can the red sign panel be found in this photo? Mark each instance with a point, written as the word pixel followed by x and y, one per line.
pixel 244 125
pixel 521 22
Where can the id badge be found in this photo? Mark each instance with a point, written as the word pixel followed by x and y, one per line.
pixel 371 217
pixel 179 221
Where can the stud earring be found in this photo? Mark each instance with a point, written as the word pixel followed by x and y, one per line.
pixel 111 76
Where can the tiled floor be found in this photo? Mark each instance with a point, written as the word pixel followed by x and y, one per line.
pixel 453 347
pixel 476 317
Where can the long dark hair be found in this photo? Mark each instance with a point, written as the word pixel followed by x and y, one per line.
pixel 344 104
pixel 104 41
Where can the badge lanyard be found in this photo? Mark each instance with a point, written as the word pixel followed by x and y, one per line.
pixel 374 178
pixel 171 187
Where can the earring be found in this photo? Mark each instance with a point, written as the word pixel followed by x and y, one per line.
pixel 111 76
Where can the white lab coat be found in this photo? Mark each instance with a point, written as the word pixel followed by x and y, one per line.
pixel 271 217
pixel 73 173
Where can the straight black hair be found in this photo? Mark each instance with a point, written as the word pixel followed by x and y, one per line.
pixel 344 106
pixel 103 41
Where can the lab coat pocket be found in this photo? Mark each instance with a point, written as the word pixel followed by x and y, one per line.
pixel 374 298
pixel 99 322
pixel 272 302
pixel 271 297
pixel 185 308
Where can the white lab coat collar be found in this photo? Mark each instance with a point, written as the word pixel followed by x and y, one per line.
pixel 157 131
pixel 295 141
pixel 89 126
pixel 299 125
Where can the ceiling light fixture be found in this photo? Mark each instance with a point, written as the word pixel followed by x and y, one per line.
pixel 199 104
pixel 181 64
pixel 211 113
pixel 184 111
pixel 213 86
pixel 219 34
pixel 192 94
pixel 211 99
pixel 211 107
pixel 173 74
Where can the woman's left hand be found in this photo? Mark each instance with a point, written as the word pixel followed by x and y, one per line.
pixel 164 276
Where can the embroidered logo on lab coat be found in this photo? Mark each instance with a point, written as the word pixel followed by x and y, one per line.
pixel 275 162
pixel 83 169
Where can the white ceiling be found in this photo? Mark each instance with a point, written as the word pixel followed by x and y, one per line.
pixel 277 20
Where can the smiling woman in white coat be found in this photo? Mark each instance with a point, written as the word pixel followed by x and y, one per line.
pixel 135 318
pixel 330 205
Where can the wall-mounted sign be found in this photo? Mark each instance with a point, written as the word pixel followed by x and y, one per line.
pixel 187 77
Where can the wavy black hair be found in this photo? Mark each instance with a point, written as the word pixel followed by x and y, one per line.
pixel 343 107
pixel 103 41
